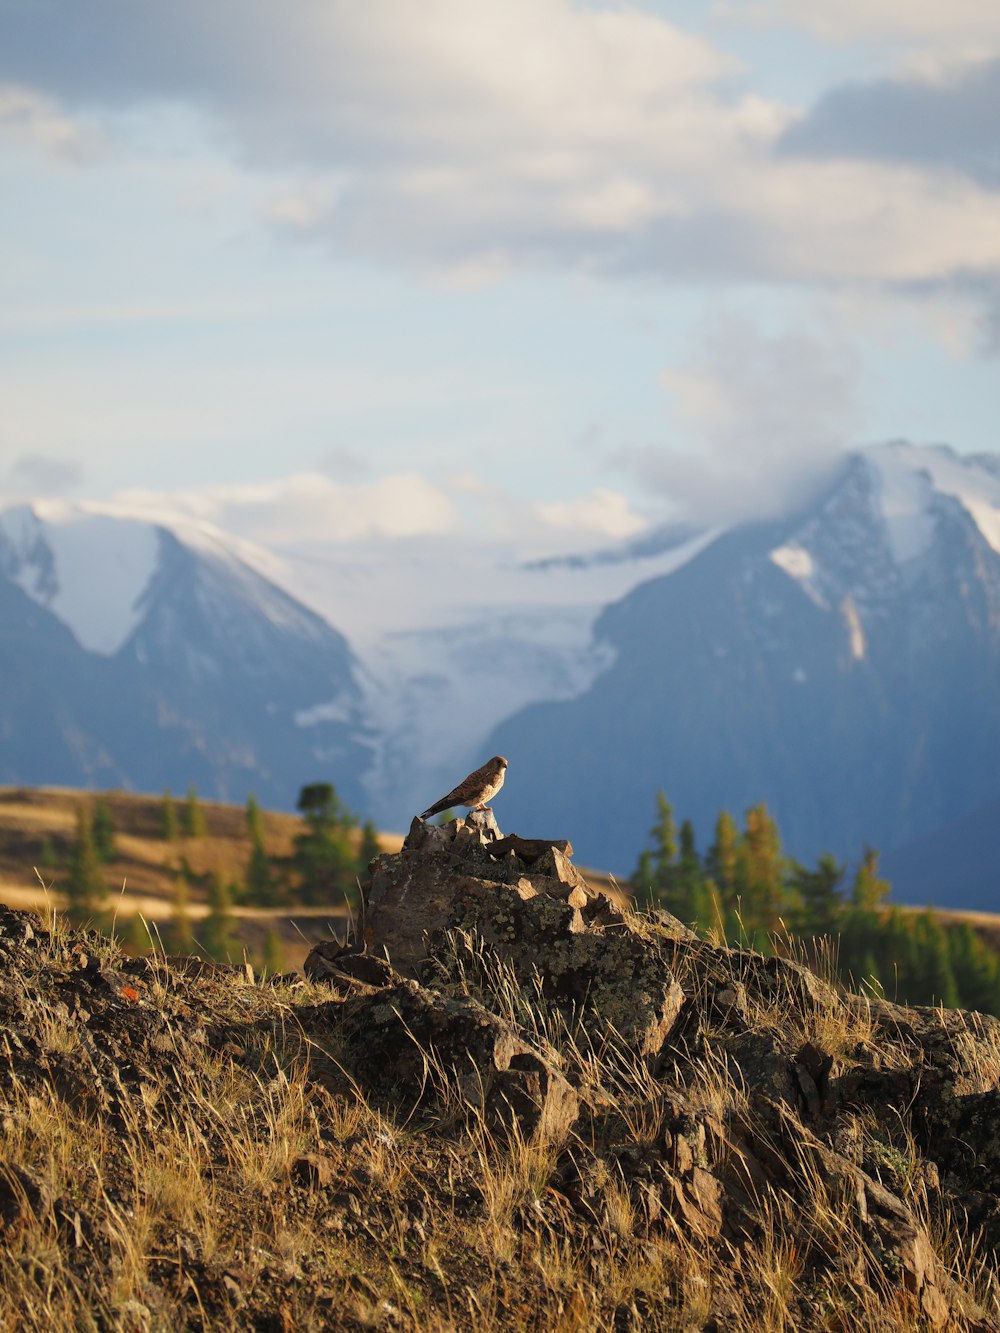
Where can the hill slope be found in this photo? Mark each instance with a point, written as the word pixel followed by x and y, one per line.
pixel 187 1148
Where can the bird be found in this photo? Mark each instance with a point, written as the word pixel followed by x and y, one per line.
pixel 475 790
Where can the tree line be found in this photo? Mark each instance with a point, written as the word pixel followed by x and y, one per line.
pixel 329 857
pixel 746 891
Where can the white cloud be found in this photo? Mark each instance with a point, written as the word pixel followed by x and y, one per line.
pixel 310 507
pixel 962 27
pixel 769 415
pixel 474 136
pixel 600 513
pixel 28 118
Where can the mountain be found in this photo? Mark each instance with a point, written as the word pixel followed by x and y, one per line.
pixel 139 657
pixel 842 664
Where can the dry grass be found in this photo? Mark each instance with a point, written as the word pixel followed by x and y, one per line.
pixel 245 1180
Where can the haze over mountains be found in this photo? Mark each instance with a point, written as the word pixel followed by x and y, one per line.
pixel 841 663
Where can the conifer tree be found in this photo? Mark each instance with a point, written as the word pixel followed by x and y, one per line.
pixel 869 892
pixel 760 873
pixel 85 889
pixel 934 982
pixel 370 846
pixel 102 828
pixel 261 885
pixel 689 883
pixel 194 816
pixel 217 929
pixel 136 936
pixel 720 863
pixel 324 856
pixel 169 817
pixel 274 953
pixel 180 933
pixel 655 876
pixel 818 894
pixel 255 820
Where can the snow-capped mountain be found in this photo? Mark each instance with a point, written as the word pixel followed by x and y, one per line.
pixel 141 657
pixel 841 663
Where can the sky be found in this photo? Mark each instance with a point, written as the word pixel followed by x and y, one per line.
pixel 539 270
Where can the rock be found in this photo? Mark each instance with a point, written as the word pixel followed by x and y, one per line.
pixel 24 1198
pixel 312 1170
pixel 414 1047
pixel 347 967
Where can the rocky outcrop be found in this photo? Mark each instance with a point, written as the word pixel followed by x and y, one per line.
pixel 491 979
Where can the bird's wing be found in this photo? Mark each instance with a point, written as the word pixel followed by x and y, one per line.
pixel 466 792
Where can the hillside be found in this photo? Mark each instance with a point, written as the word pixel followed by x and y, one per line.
pixel 37 831
pixel 547 1114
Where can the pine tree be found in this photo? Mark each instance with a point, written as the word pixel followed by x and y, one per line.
pixel 48 857
pixel 720 863
pixel 818 893
pixel 655 876
pixel 102 828
pixel 137 938
pixel 759 873
pixel 370 846
pixel 255 820
pixel 85 889
pixel 976 969
pixel 218 924
pixel 689 882
pixel 194 817
pixel 274 953
pixel 868 893
pixel 261 885
pixel 169 817
pixel 324 856
pixel 934 982
pixel 180 934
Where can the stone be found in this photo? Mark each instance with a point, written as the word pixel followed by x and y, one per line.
pixel 416 1047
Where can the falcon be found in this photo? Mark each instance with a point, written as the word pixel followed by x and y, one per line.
pixel 475 790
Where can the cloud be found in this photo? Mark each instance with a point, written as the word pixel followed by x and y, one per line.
pixel 961 27
pixel 946 122
pixel 44 475
pixel 472 137
pixel 600 513
pixel 769 415
pixel 28 118
pixel 310 507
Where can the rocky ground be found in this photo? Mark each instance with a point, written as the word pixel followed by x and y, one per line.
pixel 545 1112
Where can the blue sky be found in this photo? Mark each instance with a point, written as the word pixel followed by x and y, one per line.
pixel 599 264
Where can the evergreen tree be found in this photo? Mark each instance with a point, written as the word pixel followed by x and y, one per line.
pixel 818 896
pixel 169 817
pixel 324 857
pixel 655 876
pixel 194 816
pixel 689 883
pixel 274 954
pixel 255 820
pixel 261 885
pixel 934 982
pixel 137 938
pixel 976 969
pixel 370 846
pixel 85 889
pixel 217 929
pixel 720 863
pixel 102 828
pixel 179 933
pixel 48 857
pixel 759 874
pixel 868 893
